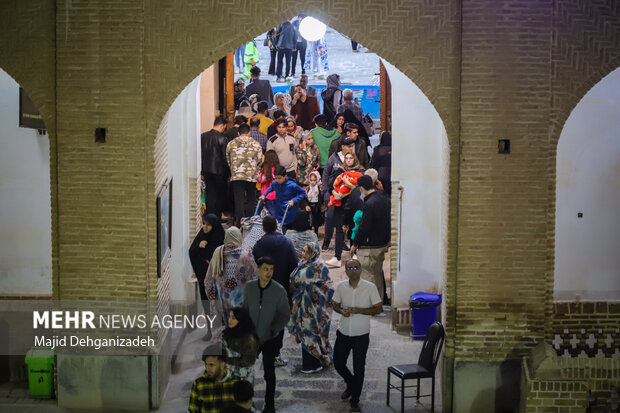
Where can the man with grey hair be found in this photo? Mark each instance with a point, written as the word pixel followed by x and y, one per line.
pixel 347 96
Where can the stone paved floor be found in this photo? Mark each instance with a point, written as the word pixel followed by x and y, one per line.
pixel 318 393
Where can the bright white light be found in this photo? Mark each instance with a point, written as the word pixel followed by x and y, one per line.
pixel 311 29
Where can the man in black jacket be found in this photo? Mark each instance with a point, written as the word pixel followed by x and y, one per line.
pixel 260 87
pixel 287 43
pixel 373 235
pixel 214 169
pixel 352 132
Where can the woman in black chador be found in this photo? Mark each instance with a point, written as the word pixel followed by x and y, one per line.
pixel 210 236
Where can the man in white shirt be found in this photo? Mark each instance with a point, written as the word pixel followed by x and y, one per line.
pixel 357 300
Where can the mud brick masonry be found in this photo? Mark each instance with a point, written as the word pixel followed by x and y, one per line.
pixel 493 69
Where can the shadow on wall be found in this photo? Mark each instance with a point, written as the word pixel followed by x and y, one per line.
pixel 487 387
pixel 507 392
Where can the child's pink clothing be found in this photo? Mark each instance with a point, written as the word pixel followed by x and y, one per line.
pixel 261 177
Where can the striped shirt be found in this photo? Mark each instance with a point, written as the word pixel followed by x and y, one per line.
pixel 259 137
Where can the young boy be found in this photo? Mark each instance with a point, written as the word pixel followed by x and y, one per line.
pixel 288 193
pixel 244 395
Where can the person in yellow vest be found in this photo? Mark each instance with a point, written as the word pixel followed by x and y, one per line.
pixel 250 58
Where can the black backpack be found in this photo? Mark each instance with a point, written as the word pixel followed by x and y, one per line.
pixel 327 95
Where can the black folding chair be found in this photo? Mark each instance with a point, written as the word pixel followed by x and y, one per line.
pixel 429 356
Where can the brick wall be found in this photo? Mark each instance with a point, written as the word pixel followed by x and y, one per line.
pixel 106 201
pixel 589 329
pixel 571 386
pixel 492 69
pixel 556 397
pixel 161 177
pixel 584 49
pixel 501 261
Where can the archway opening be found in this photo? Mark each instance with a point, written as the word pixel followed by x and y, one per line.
pixel 588 196
pixel 586 282
pixel 25 208
pixel 419 175
pixel 25 213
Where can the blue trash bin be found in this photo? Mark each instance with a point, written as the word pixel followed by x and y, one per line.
pixel 423 312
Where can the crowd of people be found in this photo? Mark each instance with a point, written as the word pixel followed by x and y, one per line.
pixel 286 44
pixel 279 174
pixel 303 302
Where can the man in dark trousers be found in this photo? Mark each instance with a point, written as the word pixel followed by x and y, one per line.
pixel 267 303
pixel 301 46
pixel 356 300
pixel 282 252
pixel 286 44
pixel 214 168
pixel 373 235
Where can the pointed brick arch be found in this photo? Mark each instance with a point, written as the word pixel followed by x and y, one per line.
pixel 426 49
pixel 585 49
pixel 30 61
pixel 420 38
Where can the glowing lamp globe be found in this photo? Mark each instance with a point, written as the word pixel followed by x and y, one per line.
pixel 311 29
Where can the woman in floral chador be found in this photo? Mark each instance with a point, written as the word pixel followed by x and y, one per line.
pixel 312 291
pixel 308 158
pixel 300 232
pixel 229 270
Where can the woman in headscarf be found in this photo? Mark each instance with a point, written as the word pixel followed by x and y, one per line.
pixel 230 269
pixel 382 161
pixel 293 129
pixel 341 182
pixel 240 342
pixel 338 122
pixel 210 236
pixel 312 291
pixel 308 158
pixel 350 168
pixel 300 233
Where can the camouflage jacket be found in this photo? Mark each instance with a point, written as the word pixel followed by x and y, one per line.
pixel 244 156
